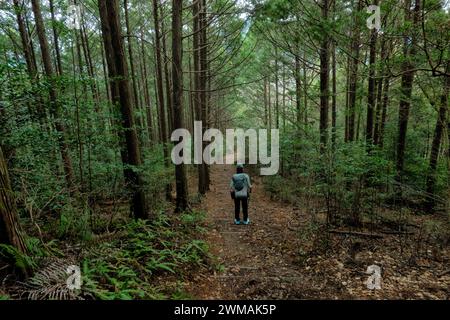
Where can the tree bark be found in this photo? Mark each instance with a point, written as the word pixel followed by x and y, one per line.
pixel 145 88
pixel 409 50
pixel 134 96
pixel 384 110
pixel 204 81
pixel 379 98
pixel 334 95
pixel 324 80
pixel 167 74
pixel 277 106
pixel 177 99
pixel 353 76
pixel 199 80
pixel 437 137
pixel 298 90
pixel 55 39
pixel 55 105
pixel 371 88
pixel 10 231
pixel 118 75
pixel 160 91
pixel 28 53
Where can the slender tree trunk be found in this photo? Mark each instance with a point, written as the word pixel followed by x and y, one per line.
pixel 324 80
pixel 371 88
pixel 334 94
pixel 277 103
pixel 269 104
pixel 353 76
pixel 305 92
pixel 384 110
pixel 204 88
pixel 147 99
pixel 177 99
pixel 55 105
pixel 167 73
pixel 55 39
pixel 406 84
pixel 266 115
pixel 298 90
pixel 437 137
pixel 10 230
pixel 118 74
pixel 160 91
pixel 347 91
pixel 25 40
pixel 379 103
pixel 135 95
pixel 27 49
pixel 284 101
pixel 199 80
pixel 90 67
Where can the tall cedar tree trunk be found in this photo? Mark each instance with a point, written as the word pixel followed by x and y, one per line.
pixel 31 68
pixel 324 80
pixel 198 80
pixel 55 39
pixel 145 84
pixel 167 72
pixel 204 185
pixel 10 230
pixel 371 88
pixel 90 66
pixel 160 91
pixel 266 116
pixel 208 92
pixel 298 90
pixel 347 91
pixel 118 75
pixel 27 49
pixel 277 106
pixel 353 74
pixel 382 74
pixel 284 100
pixel 269 103
pixel 437 137
pixel 384 107
pixel 177 99
pixel 333 96
pixel 135 95
pixel 55 105
pixel 333 85
pixel 409 50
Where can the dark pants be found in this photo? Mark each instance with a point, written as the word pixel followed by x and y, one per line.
pixel 237 208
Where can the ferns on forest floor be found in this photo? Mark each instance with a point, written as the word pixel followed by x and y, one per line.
pixel 126 267
pixel 143 260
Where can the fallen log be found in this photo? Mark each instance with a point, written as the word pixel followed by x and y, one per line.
pixel 356 233
pixel 397 232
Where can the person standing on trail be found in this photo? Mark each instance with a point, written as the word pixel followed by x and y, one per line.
pixel 240 188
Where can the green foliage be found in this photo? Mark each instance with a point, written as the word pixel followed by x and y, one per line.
pixel 74 222
pixel 127 267
pixel 22 261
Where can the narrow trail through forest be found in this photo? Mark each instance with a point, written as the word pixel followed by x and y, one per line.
pixel 259 259
pixel 263 260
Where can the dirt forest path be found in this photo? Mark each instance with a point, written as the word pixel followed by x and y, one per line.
pixel 259 260
pixel 263 260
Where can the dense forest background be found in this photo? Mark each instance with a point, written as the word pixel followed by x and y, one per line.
pixel 92 90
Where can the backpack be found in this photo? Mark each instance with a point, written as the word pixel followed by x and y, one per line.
pixel 239 182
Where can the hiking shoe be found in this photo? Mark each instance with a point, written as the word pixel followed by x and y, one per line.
pixel 246 221
pixel 237 221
